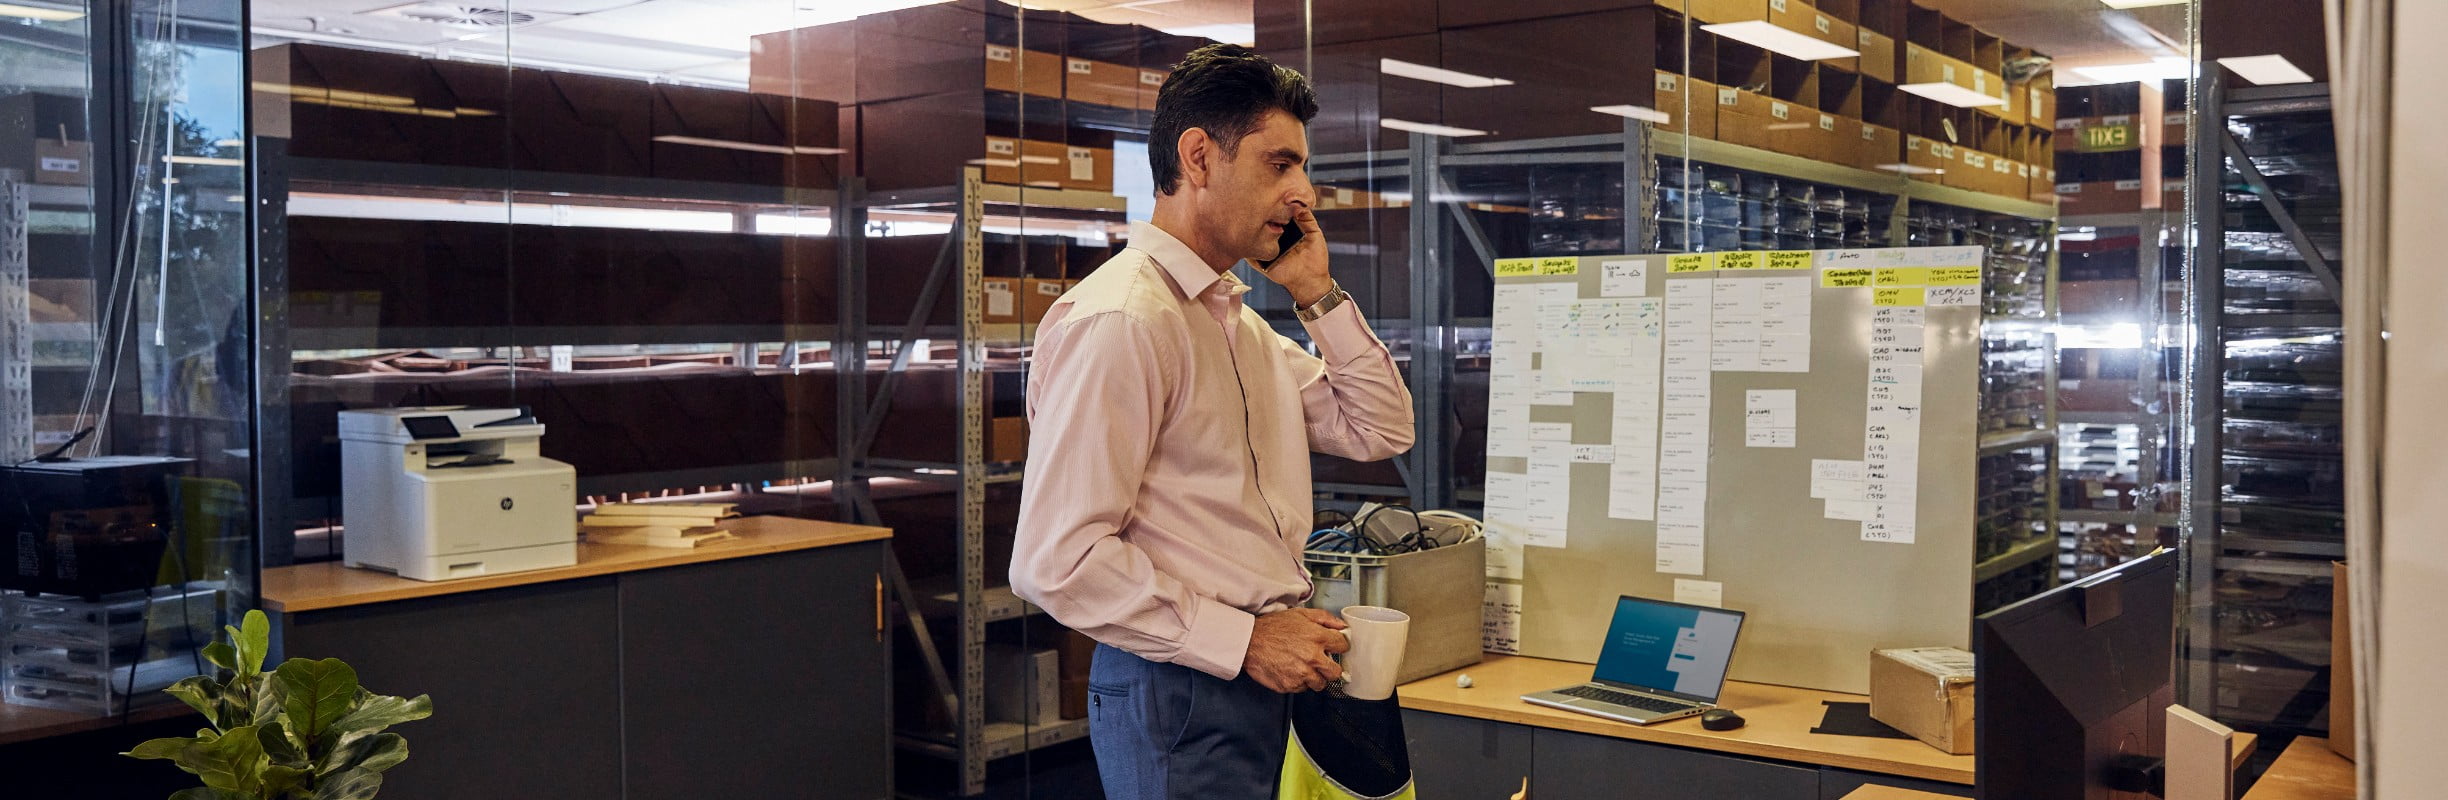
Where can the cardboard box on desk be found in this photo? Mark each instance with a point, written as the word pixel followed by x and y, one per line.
pixel 1926 692
pixel 2341 664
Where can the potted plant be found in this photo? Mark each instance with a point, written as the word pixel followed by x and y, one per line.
pixel 302 731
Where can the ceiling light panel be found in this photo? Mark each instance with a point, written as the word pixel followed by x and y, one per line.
pixel 1643 113
pixel 2140 3
pixel 2269 70
pixel 1422 72
pixel 1428 128
pixel 1780 40
pixel 1952 95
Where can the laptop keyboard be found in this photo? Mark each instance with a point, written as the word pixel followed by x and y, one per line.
pixel 1586 692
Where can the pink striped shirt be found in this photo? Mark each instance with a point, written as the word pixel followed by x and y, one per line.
pixel 1168 495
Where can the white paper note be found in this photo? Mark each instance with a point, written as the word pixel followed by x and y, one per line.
pixel 1551 431
pixel 1504 550
pixel 1507 489
pixel 1853 510
pixel 1500 618
pixel 1593 454
pixel 1768 418
pixel 1681 558
pixel 1699 593
pixel 1836 480
pixel 1623 277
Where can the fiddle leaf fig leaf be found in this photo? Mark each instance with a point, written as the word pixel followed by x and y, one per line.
pixel 222 655
pixel 382 711
pixel 316 694
pixel 201 693
pixel 355 784
pixel 159 749
pixel 254 640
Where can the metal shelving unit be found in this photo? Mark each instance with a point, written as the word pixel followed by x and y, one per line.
pixel 956 679
pixel 2267 497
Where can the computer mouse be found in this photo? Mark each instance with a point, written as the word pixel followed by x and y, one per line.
pixel 1718 719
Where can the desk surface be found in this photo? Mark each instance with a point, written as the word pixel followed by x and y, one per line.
pixel 2308 770
pixel 327 585
pixel 1778 719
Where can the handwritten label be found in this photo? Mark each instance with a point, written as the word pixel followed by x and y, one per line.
pixel 1516 267
pixel 1900 276
pixel 1845 278
pixel 1953 276
pixel 1559 265
pixel 1735 261
pixel 1896 296
pixel 1698 262
pixel 1789 259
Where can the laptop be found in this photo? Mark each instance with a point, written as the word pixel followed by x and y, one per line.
pixel 1660 661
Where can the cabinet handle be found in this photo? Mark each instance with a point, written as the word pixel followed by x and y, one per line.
pixel 879 607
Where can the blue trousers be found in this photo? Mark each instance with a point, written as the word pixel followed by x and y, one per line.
pixel 1163 731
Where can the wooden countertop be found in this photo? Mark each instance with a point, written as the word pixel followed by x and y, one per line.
pixel 328 585
pixel 1778 719
pixel 2308 770
pixel 27 723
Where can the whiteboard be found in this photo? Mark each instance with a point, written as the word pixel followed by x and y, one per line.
pixel 1787 342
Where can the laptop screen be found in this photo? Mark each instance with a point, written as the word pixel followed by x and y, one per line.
pixel 1669 647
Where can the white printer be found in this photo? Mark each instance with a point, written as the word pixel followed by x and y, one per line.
pixel 441 492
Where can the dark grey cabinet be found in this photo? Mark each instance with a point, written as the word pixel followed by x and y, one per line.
pixel 1454 756
pixel 1466 758
pixel 762 676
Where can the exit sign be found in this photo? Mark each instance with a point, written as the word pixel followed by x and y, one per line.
pixel 2104 137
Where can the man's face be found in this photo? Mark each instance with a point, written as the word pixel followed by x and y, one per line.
pixel 1254 193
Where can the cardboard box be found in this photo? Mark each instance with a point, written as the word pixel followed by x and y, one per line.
pixel 1716 11
pixel 1150 82
pixel 1690 105
pixel 1007 439
pixel 1012 69
pixel 1880 148
pixel 1037 295
pixel 1089 169
pixel 1045 164
pixel 1101 83
pixel 1928 158
pixel 2341 664
pixel 1926 692
pixel 999 300
pixel 1924 65
pixel 2099 197
pixel 1023 685
pixel 1878 54
pixel 1742 118
pixel 1002 161
pixel 63 163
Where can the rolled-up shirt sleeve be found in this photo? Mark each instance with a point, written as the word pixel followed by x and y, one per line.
pixel 1351 393
pixel 1096 403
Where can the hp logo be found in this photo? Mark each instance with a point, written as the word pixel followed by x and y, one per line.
pixel 506 504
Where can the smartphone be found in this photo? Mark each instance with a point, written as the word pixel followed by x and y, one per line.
pixel 1291 236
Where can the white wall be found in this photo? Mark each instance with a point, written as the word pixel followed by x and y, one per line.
pixel 2410 719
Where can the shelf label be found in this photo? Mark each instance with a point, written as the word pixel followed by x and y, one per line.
pixel 1559 265
pixel 1149 77
pixel 1827 122
pixel 1780 111
pixel 1696 262
pixel 1789 259
pixel 1668 82
pixel 1897 296
pixel 1728 96
pixel 1080 66
pixel 1824 27
pixel 1845 279
pixel 1083 164
pixel 1737 261
pixel 1516 267
pixel 996 52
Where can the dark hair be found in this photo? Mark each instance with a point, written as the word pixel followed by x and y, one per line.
pixel 1223 89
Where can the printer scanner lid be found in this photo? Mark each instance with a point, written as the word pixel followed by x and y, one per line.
pixel 413 424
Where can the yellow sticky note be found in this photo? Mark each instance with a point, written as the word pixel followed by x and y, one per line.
pixel 1897 296
pixel 1727 261
pixel 1845 278
pixel 1516 267
pixel 1698 262
pixel 1789 259
pixel 1901 276
pixel 1559 265
pixel 1954 276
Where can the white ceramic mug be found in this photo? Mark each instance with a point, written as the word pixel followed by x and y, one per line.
pixel 1377 635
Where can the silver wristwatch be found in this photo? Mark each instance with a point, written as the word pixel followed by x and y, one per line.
pixel 1335 298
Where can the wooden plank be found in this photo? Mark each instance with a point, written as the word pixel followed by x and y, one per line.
pixel 1780 719
pixel 1892 793
pixel 2308 770
pixel 314 587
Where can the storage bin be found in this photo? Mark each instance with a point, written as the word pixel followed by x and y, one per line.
pixel 1441 589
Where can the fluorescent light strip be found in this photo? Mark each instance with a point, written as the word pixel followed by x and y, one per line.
pixel 1423 72
pixel 2269 70
pixel 203 161
pixel 39 13
pixel 2162 68
pixel 1432 130
pixel 751 146
pixel 1636 112
pixel 1952 95
pixel 2140 3
pixel 1780 40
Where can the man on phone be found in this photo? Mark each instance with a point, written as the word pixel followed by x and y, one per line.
pixel 1168 495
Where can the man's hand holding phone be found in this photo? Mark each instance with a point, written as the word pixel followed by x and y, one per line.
pixel 1301 268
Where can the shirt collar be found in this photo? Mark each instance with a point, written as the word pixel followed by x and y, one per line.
pixel 1190 274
